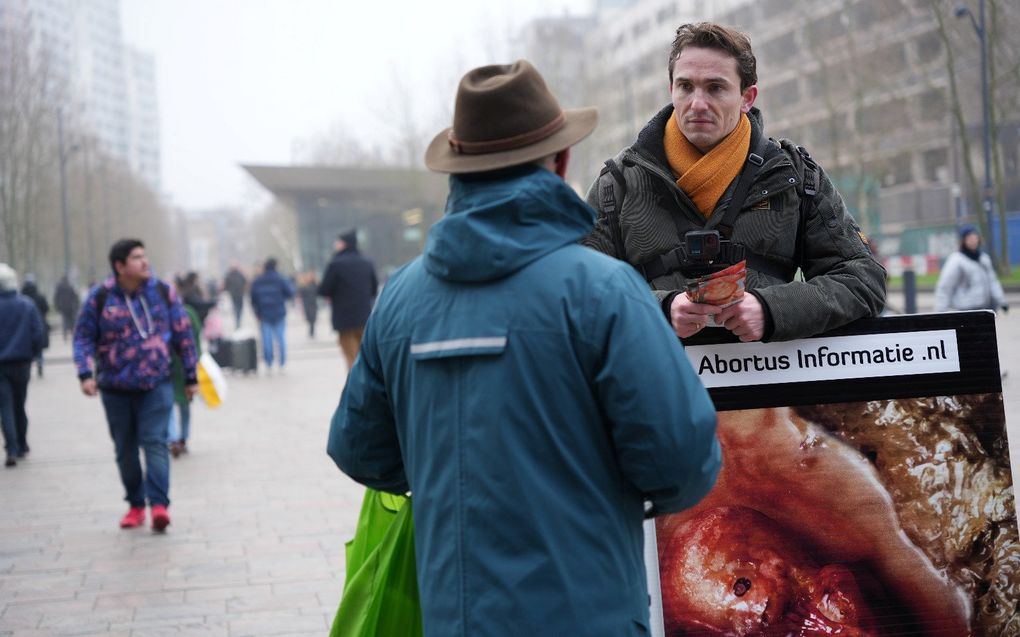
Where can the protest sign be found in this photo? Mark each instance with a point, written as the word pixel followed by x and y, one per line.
pixel 865 490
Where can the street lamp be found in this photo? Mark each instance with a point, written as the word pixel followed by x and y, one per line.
pixel 979 29
pixel 63 155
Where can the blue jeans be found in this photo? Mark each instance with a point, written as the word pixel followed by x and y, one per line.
pixel 272 331
pixel 180 427
pixel 238 302
pixel 139 419
pixel 14 379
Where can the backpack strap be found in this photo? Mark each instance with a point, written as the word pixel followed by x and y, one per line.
pixel 164 291
pixel 101 295
pixel 103 292
pixel 809 181
pixel 611 195
pixel 755 160
pixel 810 172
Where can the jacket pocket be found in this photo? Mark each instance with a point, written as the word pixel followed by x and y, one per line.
pixel 771 231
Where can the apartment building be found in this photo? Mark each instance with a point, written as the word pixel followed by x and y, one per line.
pixel 863 84
pixel 105 89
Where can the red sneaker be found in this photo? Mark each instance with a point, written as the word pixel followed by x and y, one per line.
pixel 160 518
pixel 134 517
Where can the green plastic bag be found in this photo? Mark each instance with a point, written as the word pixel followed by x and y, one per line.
pixel 381 587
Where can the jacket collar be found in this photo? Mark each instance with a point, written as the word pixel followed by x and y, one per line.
pixel 649 140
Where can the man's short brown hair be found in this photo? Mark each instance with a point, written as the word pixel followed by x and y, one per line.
pixel 708 35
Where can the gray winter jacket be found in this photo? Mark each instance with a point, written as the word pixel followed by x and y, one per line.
pixel 842 280
pixel 966 284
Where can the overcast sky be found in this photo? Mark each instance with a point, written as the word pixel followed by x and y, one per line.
pixel 243 81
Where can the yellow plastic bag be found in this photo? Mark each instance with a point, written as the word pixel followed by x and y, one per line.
pixel 212 384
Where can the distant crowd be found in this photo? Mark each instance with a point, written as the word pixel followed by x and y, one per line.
pixel 137 343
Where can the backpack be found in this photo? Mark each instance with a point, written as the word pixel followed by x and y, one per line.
pixel 613 191
pixel 104 292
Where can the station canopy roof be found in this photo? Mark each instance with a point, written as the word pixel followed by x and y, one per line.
pixel 288 182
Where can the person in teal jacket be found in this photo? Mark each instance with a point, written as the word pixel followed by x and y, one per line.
pixel 525 389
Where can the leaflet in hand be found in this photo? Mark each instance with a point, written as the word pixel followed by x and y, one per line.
pixel 722 288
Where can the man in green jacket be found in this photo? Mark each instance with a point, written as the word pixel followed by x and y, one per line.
pixel 524 388
pixel 659 197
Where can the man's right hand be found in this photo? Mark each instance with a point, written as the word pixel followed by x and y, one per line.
pixel 688 317
pixel 89 387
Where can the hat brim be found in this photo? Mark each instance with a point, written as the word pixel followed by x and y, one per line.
pixel 441 158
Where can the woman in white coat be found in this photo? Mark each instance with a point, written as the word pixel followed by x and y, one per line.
pixel 968 280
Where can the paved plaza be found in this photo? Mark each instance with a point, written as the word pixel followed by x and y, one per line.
pixel 260 513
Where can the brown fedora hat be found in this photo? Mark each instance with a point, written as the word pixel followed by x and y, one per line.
pixel 505 115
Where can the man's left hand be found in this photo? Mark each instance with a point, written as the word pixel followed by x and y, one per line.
pixel 190 391
pixel 746 319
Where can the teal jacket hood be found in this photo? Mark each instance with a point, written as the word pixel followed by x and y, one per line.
pixel 497 223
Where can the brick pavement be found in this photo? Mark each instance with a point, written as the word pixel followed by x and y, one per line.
pixel 260 513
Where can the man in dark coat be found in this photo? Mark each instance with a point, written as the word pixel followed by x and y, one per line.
pixel 66 300
pixel 235 284
pixel 349 283
pixel 21 340
pixel 660 195
pixel 31 290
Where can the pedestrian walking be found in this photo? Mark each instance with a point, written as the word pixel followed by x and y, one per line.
pixel 968 280
pixel 65 299
pixel 236 284
pixel 189 288
pixel 21 340
pixel 524 388
pixel 270 292
pixel 123 341
pixel 703 188
pixel 177 441
pixel 309 294
pixel 350 284
pixel 30 290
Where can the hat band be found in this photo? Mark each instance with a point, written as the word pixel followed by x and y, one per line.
pixel 506 143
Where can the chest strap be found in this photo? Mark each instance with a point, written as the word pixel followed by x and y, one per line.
pixel 672 260
pixel 729 253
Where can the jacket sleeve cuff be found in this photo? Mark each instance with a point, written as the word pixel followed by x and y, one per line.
pixel 770 325
pixel 667 301
pixel 190 380
pixel 84 376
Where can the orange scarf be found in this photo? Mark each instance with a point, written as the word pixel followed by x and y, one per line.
pixel 704 177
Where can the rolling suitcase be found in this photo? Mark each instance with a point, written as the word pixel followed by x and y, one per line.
pixel 243 354
pixel 220 350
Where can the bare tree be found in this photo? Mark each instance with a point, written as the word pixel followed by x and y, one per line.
pixel 1004 103
pixel 1004 89
pixel 854 79
pixel 105 200
pixel 336 147
pixel 27 155
pixel 409 107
